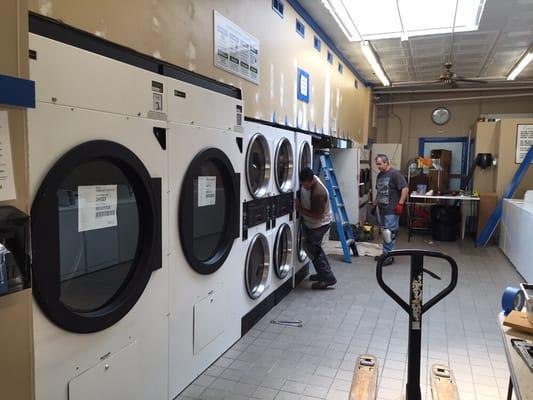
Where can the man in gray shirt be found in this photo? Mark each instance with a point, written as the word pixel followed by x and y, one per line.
pixel 391 194
pixel 313 205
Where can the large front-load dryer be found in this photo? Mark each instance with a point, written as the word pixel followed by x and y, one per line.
pixel 204 142
pixel 304 158
pixel 97 178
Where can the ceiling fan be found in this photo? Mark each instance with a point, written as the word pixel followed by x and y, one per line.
pixel 449 78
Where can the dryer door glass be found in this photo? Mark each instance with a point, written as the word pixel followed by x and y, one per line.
pixel 99 233
pixel 257 265
pixel 305 157
pixel 209 211
pixel 283 251
pixel 284 166
pixel 302 255
pixel 258 166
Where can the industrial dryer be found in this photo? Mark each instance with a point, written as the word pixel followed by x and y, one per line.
pixel 97 177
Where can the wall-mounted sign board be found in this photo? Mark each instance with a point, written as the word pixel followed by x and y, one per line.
pixel 524 140
pixel 303 85
pixel 235 50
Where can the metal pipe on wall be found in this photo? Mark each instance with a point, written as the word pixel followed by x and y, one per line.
pixel 500 96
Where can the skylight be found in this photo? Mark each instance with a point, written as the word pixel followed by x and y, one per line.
pixel 385 19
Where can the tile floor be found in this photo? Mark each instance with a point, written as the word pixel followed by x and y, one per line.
pixel 317 360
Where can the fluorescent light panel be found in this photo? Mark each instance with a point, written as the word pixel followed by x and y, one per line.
pixel 379 19
pixel 520 66
pixel 374 63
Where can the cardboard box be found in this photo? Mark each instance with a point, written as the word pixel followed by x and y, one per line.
pixel 439 181
pixel 487 204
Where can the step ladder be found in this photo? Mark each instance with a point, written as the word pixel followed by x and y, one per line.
pixel 344 228
pixel 496 215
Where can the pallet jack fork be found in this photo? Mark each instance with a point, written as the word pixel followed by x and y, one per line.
pixel 443 385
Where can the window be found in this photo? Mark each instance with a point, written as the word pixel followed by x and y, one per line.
pixel 300 28
pixel 278 7
pixel 330 57
pixel 317 43
pixel 341 68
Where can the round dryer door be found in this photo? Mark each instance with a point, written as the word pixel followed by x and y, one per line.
pixel 258 166
pixel 283 251
pixel 257 266
pixel 209 210
pixel 96 236
pixel 305 158
pixel 302 255
pixel 284 166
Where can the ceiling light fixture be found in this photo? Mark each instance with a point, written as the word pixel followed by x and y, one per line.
pixel 519 67
pixel 342 17
pixel 374 63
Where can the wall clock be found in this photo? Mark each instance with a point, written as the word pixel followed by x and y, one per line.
pixel 440 115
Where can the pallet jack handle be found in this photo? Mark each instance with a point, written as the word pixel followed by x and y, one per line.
pixel 417 262
pixel 416 307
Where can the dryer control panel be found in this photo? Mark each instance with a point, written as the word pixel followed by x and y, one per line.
pixel 283 204
pixel 255 212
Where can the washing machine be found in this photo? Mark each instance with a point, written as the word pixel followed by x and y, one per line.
pixel 97 183
pixel 283 148
pixel 205 147
pixel 304 158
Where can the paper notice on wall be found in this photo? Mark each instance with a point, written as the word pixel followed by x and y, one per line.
pixel 236 51
pixel 7 180
pixel 97 207
pixel 207 191
pixel 524 140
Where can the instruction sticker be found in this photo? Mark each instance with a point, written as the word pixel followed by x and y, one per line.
pixel 207 191
pixel 97 207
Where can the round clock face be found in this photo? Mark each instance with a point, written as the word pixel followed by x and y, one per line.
pixel 440 115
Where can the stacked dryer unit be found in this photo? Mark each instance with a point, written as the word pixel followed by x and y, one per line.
pixel 98 177
pixel 282 205
pixel 304 158
pixel 204 142
pixel 254 284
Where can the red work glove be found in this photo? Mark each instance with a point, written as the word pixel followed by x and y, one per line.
pixel 398 210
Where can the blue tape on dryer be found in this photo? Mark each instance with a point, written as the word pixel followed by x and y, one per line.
pixel 512 299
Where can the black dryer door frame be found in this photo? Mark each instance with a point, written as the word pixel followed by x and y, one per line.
pixel 232 181
pixel 45 237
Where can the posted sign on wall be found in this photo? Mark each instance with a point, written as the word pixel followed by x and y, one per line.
pixel 524 140
pixel 236 51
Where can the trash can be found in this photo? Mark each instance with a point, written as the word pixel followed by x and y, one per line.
pixel 445 222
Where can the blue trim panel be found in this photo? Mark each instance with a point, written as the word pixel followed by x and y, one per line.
pixel 326 39
pixel 17 92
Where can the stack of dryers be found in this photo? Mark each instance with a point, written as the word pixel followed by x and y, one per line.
pixel 304 158
pixel 98 177
pixel 204 142
pixel 282 208
pixel 254 284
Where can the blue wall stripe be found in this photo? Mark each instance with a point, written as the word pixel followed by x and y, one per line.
pixel 326 39
pixel 17 92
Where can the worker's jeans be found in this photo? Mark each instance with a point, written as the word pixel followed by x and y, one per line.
pixel 313 247
pixel 391 222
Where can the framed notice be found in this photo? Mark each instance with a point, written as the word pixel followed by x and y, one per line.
pixel 302 85
pixel 236 51
pixel 7 179
pixel 524 140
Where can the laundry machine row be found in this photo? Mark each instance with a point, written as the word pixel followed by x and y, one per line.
pixel 144 207
pixel 135 218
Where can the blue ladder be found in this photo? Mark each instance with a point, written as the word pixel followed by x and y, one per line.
pixel 344 228
pixel 496 215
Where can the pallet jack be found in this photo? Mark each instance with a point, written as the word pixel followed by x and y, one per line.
pixel 443 387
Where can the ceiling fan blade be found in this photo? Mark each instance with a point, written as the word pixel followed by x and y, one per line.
pixel 470 80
